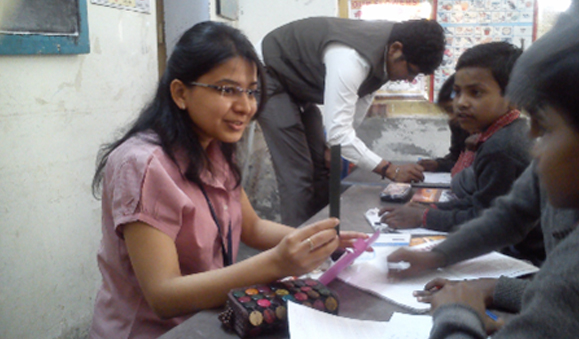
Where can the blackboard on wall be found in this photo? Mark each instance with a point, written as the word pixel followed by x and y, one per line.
pixel 45 27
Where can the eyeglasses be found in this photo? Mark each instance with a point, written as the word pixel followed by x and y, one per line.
pixel 230 91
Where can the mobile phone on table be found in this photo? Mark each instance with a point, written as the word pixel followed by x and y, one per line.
pixel 396 192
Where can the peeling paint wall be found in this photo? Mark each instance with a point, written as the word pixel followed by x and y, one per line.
pixel 55 111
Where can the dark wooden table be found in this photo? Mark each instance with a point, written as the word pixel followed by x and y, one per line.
pixel 354 303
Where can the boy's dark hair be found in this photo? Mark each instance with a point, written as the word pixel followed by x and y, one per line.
pixel 557 85
pixel 422 43
pixel 446 91
pixel 498 57
pixel 200 49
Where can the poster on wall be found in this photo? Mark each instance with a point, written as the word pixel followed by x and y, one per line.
pixel 396 10
pixel 228 9
pixel 131 5
pixel 471 22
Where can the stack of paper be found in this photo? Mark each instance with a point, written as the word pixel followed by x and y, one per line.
pixel 435 179
pixel 307 323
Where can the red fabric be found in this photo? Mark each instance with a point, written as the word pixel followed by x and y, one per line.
pixel 466 158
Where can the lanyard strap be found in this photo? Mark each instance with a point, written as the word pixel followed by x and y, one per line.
pixel 225 252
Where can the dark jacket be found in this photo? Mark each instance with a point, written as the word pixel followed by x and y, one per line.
pixel 499 161
pixel 294 53
pixel 549 308
pixel 510 219
pixel 457 145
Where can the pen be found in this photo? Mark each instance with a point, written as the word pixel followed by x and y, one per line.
pixel 492 315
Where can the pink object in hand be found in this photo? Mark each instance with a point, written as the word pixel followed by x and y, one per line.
pixel 348 258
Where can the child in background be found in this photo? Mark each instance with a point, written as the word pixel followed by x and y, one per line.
pixel 501 147
pixel 457 134
pixel 547 86
pixel 173 208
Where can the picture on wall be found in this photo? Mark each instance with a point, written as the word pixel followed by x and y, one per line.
pixel 471 22
pixel 143 6
pixel 228 9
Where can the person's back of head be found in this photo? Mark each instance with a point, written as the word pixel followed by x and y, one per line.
pixel 446 94
pixel 557 85
pixel 550 98
pixel 423 43
pixel 545 83
pixel 528 73
pixel 498 57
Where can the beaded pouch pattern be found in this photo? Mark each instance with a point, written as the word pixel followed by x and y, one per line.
pixel 258 309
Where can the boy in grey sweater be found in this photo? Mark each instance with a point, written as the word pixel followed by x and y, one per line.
pixel 546 83
pixel 507 222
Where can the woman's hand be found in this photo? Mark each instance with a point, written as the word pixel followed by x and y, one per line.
pixel 407 216
pixel 347 239
pixel 419 262
pixel 306 248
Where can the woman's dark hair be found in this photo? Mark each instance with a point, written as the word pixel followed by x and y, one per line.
pixel 446 91
pixel 498 57
pixel 422 42
pixel 556 85
pixel 199 50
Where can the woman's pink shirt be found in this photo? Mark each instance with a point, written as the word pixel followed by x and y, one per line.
pixel 142 184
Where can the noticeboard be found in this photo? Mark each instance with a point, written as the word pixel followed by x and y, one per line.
pixel 471 22
pixel 44 27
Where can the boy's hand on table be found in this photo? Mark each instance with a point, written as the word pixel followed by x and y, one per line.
pixel 484 285
pixel 429 165
pixel 407 216
pixel 464 293
pixel 420 262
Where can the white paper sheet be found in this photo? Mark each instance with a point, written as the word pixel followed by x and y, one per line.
pixel 437 178
pixel 307 323
pixel 371 275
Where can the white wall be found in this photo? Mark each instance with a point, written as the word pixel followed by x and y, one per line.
pixel 180 15
pixel 55 111
pixel 258 17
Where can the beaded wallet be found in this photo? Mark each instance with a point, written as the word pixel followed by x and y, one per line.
pixel 258 309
